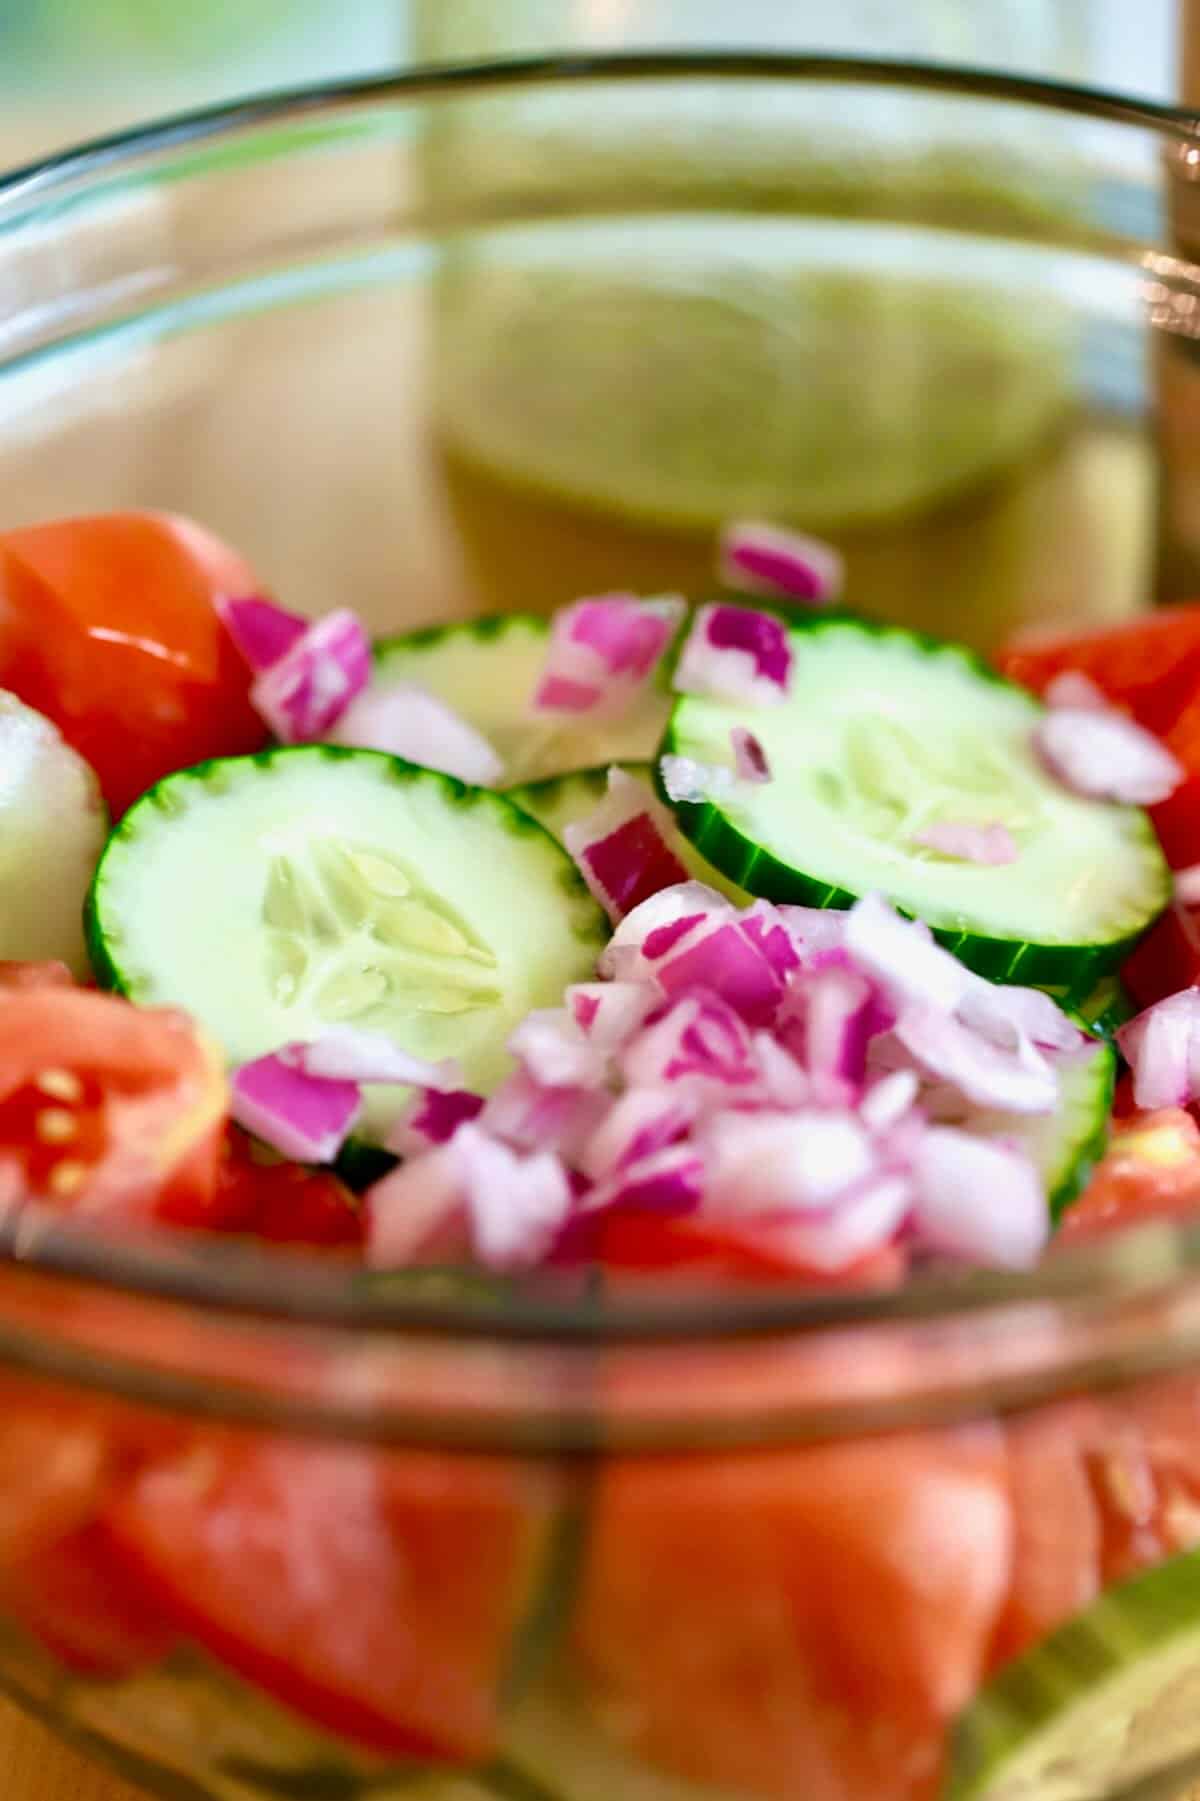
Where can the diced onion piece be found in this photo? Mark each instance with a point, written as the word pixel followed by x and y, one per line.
pixel 1103 755
pixel 640 1123
pixel 840 1236
pixel 516 1205
pixel 1012 1081
pixel 814 929
pixel 433 1119
pixel 532 1115
pixel 301 696
pixel 670 1180
pixel 763 924
pixel 554 1051
pixel 990 845
pixel 418 1214
pixel 623 848
pixel 699 1043
pixel 772 1163
pixel 304 1117
pixel 726 961
pixel 262 631
pixel 977 1200
pixel 348 1054
pixel 1187 886
pixel 750 760
pixel 603 650
pixel 901 956
pixel 887 1101
pixel 610 1012
pixel 1162 1047
pixel 687 780
pixel 407 722
pixel 1007 1015
pixel 649 930
pixel 1074 689
pixel 755 558
pixel 738 654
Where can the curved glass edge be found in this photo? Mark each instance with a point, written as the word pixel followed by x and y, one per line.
pixel 278 1286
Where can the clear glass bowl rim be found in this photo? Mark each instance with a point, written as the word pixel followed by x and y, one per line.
pixel 293 1290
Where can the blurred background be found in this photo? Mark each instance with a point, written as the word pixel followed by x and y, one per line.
pixel 69 68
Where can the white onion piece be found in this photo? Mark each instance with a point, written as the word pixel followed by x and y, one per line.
pixel 784 1162
pixel 888 1100
pixel 417 1214
pixel 1007 1015
pixel 1187 886
pixel 687 780
pixel 516 1205
pixel 755 558
pixel 1010 1081
pixel 864 1223
pixel 902 957
pixel 639 1123
pixel 1105 756
pixel 990 845
pixel 976 1200
pixel 304 1117
pixel 303 694
pixel 348 1054
pixel 407 722
pixel 1074 689
pixel 553 1049
pixel 1162 1047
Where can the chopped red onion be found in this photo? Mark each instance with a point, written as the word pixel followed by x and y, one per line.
pixel 304 1117
pixel 603 650
pixel 1106 756
pixel 762 1163
pixel 750 760
pixel 737 654
pixel 555 1052
pixel 1012 1081
pixel 433 1119
pixel 833 1012
pixel 406 722
pixel 889 1099
pixel 686 780
pixel 864 1222
pixel 724 960
pixel 1074 689
pixel 1162 1047
pixel 640 1123
pixel 301 696
pixel 670 1181
pixel 418 1214
pixel 814 929
pixel 517 1205
pixel 765 927
pixel 698 1042
pixel 347 1054
pixel 610 1012
pixel 901 956
pixel 991 844
pixel 535 1116
pixel 262 631
pixel 765 559
pixel 623 848
pixel 785 1082
pixel 1187 886
pixel 978 1200
pixel 1007 1015
pixel 656 922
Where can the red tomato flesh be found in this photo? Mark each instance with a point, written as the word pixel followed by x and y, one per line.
pixel 107 625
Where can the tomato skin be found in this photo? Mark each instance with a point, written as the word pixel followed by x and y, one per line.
pixel 19 976
pixel 113 1106
pixel 75 1598
pixel 283 1203
pixel 636 1248
pixel 107 625
pixel 1166 960
pixel 1151 664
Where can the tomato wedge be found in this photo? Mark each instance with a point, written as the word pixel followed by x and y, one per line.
pixel 646 1249
pixel 75 1598
pixel 803 1622
pixel 283 1203
pixel 375 1595
pixel 1151 1171
pixel 107 1105
pixel 107 625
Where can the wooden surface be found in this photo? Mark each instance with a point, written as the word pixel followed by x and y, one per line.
pixel 36 1767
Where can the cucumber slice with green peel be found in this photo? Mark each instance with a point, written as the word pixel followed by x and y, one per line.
pixel 275 895
pixel 1106 1008
pixel 1065 1144
pixel 1103 1707
pixel 563 800
pixel 488 669
pixel 886 732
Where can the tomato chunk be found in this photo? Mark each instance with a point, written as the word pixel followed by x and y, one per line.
pixel 109 1105
pixel 639 1248
pixel 1151 664
pixel 107 626
pixel 285 1203
pixel 377 1596
pixel 802 1622
pixel 1151 1171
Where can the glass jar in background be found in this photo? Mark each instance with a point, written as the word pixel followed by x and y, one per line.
pixel 856 371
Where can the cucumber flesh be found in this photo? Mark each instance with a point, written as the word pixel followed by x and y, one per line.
pixel 488 669
pixel 275 895
pixel 885 732
pixel 1107 1705
pixel 563 800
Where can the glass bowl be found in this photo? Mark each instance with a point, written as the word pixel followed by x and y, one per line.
pixel 489 338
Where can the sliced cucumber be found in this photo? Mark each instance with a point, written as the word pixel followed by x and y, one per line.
pixel 488 669
pixel 884 733
pixel 1065 1144
pixel 1104 1705
pixel 52 827
pixel 271 896
pixel 565 799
